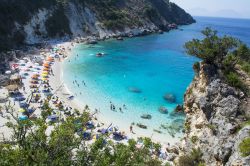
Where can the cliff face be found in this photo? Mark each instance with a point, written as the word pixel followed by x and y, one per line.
pixel 31 21
pixel 215 114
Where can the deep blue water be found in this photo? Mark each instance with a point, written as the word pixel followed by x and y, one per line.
pixel 155 65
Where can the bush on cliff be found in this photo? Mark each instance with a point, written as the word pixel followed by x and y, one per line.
pixel 193 159
pixel 212 49
pixel 225 53
pixel 245 147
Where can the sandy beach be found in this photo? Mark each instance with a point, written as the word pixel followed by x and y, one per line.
pixel 58 85
pixel 61 92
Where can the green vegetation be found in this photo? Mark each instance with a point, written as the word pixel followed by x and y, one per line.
pixel 196 67
pixel 32 144
pixel 245 147
pixel 193 159
pixel 224 53
pixel 194 139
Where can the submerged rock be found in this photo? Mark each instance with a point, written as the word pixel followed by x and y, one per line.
pixel 179 108
pixel 170 97
pixel 146 116
pixel 142 126
pixel 120 38
pixel 134 90
pixel 163 110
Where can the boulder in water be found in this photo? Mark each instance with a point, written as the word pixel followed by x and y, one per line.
pixel 163 110
pixel 179 108
pixel 169 97
pixel 120 38
pixel 142 126
pixel 146 116
pixel 134 90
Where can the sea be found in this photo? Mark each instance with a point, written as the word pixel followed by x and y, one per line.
pixel 142 76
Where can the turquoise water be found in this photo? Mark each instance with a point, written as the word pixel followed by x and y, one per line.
pixel 155 65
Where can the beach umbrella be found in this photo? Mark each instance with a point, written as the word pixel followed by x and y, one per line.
pixel 22 110
pixel 8 72
pixel 27 69
pixel 46 65
pixel 45 72
pixel 44 79
pixel 45 69
pixel 23 117
pixel 36 64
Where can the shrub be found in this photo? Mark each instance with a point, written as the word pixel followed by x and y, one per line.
pixel 194 139
pixel 245 147
pixel 193 159
pixel 196 67
pixel 246 67
pixel 233 80
pixel 187 126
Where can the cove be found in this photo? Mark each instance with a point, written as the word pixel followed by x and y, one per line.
pixel 134 75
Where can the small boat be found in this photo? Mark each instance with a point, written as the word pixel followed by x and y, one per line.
pixel 100 54
pixel 146 116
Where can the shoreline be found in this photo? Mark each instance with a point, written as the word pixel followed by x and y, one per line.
pixel 161 138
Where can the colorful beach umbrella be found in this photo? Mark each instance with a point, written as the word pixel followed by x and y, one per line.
pixel 22 110
pixel 23 117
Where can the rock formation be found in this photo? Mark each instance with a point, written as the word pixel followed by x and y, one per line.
pixel 25 21
pixel 215 113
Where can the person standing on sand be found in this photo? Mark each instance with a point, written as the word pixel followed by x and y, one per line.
pixel 131 129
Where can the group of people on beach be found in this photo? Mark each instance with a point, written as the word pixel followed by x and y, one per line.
pixel 113 108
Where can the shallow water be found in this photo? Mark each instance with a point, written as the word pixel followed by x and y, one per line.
pixel 150 66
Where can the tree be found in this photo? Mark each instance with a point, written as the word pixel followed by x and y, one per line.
pixel 212 49
pixel 34 143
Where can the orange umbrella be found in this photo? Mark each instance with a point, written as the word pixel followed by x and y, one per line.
pixel 46 65
pixel 34 77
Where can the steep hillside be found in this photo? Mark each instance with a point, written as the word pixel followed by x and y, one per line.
pixel 31 21
pixel 216 119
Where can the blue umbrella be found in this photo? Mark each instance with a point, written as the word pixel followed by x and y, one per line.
pixel 23 117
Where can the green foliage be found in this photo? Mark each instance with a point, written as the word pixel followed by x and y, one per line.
pixel 243 52
pixel 196 67
pixel 187 126
pixel 224 53
pixel 246 67
pixel 151 13
pixel 32 144
pixel 233 80
pixel 193 159
pixel 194 139
pixel 212 49
pixel 245 147
pixel 58 23
pixel 229 62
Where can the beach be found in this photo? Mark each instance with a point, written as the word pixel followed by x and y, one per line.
pixel 57 83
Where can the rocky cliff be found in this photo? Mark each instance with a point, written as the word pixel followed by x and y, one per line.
pixel 31 21
pixel 215 118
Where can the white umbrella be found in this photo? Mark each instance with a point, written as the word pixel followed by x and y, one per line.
pixel 8 72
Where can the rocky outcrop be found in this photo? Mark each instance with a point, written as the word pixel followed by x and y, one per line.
pixel 29 22
pixel 215 113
